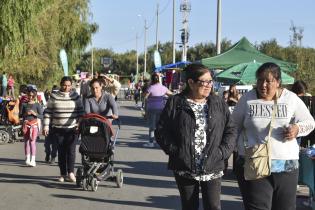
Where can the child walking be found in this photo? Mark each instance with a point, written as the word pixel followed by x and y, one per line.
pixel 32 113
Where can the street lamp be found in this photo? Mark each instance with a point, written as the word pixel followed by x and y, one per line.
pixel 137 56
pixel 92 58
pixel 145 44
pixel 218 27
pixel 173 33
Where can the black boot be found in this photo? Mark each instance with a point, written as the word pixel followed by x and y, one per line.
pixel 47 159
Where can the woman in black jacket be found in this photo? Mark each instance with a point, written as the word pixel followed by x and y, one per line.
pixel 196 131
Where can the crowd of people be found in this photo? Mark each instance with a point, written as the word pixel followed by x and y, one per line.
pixel 196 128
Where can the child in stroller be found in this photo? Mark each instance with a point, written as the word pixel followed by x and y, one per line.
pixel 97 150
pixel 10 128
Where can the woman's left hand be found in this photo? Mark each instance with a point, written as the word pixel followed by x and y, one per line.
pixel 291 132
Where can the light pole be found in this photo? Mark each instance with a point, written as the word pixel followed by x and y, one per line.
pixel 218 27
pixel 157 28
pixel 185 8
pixel 92 59
pixel 145 43
pixel 173 33
pixel 145 46
pixel 137 56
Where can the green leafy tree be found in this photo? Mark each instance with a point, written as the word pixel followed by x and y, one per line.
pixel 35 31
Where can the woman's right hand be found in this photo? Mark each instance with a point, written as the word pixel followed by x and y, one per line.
pixel 291 132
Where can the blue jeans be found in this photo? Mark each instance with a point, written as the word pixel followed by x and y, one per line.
pixel 153 116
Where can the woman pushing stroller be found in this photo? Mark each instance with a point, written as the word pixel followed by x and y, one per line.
pixel 100 102
pixel 96 132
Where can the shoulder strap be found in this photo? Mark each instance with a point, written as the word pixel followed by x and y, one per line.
pixel 272 122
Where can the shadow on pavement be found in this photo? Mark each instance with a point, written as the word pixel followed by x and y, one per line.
pixel 162 202
pixel 45 181
pixel 132 121
pixel 146 168
pixel 18 162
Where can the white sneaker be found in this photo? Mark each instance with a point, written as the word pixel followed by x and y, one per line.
pixel 72 177
pixel 61 179
pixel 32 163
pixel 149 144
pixel 28 160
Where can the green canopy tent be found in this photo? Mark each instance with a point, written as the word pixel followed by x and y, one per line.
pixel 243 52
pixel 245 74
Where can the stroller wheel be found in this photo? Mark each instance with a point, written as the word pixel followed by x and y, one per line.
pixel 119 178
pixel 85 184
pixel 79 175
pixel 94 184
pixel 4 137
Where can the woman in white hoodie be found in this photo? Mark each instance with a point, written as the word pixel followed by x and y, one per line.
pixel 291 119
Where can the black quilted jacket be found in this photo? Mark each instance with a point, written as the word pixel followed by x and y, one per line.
pixel 176 129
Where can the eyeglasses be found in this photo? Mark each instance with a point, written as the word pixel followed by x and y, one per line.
pixel 205 82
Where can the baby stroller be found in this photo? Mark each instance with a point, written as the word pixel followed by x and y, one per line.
pixel 97 150
pixel 10 127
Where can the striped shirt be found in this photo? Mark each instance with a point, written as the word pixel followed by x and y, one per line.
pixel 63 110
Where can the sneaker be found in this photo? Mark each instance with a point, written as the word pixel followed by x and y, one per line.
pixel 149 144
pixel 33 163
pixel 61 179
pixel 28 162
pixel 52 161
pixel 72 177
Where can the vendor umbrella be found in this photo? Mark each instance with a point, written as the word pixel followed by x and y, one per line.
pixel 245 74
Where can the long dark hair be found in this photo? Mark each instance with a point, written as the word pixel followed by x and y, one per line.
pixel 193 71
pixel 155 78
pixel 269 68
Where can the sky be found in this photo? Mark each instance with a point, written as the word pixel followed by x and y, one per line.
pixel 120 20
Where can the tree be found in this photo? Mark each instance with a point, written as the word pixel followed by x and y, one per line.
pixel 35 31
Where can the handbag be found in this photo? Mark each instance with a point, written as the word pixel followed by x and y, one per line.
pixel 257 158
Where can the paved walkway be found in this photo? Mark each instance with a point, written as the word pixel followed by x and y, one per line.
pixel 148 184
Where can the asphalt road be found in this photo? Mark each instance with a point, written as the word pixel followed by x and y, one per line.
pixel 147 182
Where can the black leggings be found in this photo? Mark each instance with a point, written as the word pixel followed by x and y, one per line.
pixel 189 193
pixel 275 192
